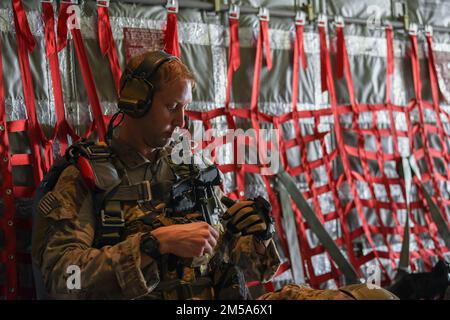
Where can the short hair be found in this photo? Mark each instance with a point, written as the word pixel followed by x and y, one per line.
pixel 167 73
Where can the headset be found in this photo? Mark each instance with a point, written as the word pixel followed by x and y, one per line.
pixel 136 87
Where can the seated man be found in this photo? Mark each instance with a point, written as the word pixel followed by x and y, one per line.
pixel 106 213
pixel 96 211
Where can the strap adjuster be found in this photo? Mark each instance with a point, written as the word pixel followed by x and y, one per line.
pixel 413 28
pixel 111 221
pixel 264 14
pixel 300 18
pixel 145 189
pixel 234 12
pixel 103 3
pixel 322 20
pixel 172 6
pixel 339 21
pixel 429 30
pixel 96 151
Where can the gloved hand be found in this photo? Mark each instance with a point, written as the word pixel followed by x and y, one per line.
pixel 249 217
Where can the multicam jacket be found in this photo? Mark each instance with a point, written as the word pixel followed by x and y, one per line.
pixel 65 235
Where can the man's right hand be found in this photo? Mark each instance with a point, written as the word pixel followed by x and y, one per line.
pixel 187 240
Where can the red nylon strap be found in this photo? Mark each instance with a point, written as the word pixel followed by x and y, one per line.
pixel 436 106
pixel 362 153
pixel 107 44
pixel 340 54
pixel 263 39
pixel 423 132
pixel 233 64
pixel 90 84
pixel 340 140
pixel 86 73
pixel 265 35
pixel 9 209
pixel 323 58
pixel 389 72
pixel 60 129
pixel 299 37
pixel 62 25
pixel 234 60
pixel 390 62
pixel 344 67
pixel 396 154
pixel 25 44
pixel 171 43
pixel 432 72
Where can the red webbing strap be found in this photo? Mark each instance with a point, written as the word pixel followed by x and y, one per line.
pixel 437 109
pixel 234 61
pixel 80 50
pixel 423 132
pixel 389 73
pixel 340 139
pixel 299 38
pixel 60 129
pixel 25 45
pixel 9 209
pixel 342 47
pixel 171 43
pixel 390 64
pixel 306 165
pixel 263 40
pixel 106 41
pixel 340 54
pixel 298 50
pixel 63 16
pixel 323 59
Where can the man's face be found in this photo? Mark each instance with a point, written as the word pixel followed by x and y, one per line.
pixel 166 113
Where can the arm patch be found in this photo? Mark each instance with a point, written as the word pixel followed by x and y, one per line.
pixel 49 203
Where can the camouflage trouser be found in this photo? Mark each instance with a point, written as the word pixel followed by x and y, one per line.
pixel 352 292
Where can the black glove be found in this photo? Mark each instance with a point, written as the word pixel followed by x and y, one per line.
pixel 250 217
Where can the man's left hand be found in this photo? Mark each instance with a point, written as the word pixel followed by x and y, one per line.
pixel 251 217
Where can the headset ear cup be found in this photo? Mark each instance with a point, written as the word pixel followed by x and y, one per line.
pixel 135 97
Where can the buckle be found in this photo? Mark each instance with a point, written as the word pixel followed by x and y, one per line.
pixel 429 30
pixel 172 6
pixel 413 28
pixel 300 18
pixel 145 190
pixel 234 12
pixel 339 21
pixel 97 151
pixel 388 25
pixel 110 221
pixel 263 14
pixel 322 20
pixel 103 3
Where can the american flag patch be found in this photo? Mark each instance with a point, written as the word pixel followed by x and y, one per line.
pixel 48 203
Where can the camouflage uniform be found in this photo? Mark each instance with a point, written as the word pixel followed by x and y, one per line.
pixel 65 234
pixel 350 292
